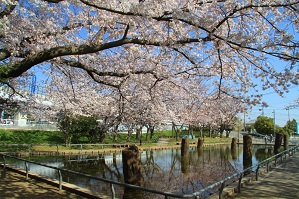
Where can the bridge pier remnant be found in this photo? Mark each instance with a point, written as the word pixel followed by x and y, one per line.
pixel 247 152
pixel 233 144
pixel 185 147
pixel 234 148
pixel 278 142
pixel 285 142
pixel 200 142
pixel 132 170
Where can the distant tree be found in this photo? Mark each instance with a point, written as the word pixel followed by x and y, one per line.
pixel 249 128
pixel 75 127
pixel 65 125
pixel 290 126
pixel 264 125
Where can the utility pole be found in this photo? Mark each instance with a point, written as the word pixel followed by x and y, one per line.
pixel 274 124
pixel 262 111
pixel 244 122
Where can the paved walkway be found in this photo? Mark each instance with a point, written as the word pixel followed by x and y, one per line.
pixel 282 182
pixel 13 185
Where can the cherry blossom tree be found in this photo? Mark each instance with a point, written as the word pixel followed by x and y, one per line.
pixel 88 48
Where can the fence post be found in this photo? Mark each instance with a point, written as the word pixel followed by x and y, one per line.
pixel 239 183
pixel 26 168
pixel 4 162
pixel 30 149
pixel 221 189
pixel 112 191
pixel 60 179
pixel 257 172
pixel 268 166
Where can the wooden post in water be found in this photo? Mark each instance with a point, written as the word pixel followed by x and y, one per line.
pixel 185 164
pixel 285 142
pixel 234 143
pixel 185 155
pixel 132 170
pixel 200 143
pixel 234 148
pixel 185 147
pixel 278 142
pixel 247 152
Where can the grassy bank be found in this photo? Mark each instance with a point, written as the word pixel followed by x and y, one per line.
pixel 50 140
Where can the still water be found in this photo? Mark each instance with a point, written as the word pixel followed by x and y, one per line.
pixel 164 170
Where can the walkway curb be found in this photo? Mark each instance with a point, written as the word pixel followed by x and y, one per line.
pixel 54 183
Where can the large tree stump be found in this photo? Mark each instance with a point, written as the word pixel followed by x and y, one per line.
pixel 285 142
pixel 247 152
pixel 185 147
pixel 278 142
pixel 200 143
pixel 132 166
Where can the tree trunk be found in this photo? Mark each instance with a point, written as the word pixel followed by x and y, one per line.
pixel 190 130
pixel 147 131
pixel 115 133
pixel 130 132
pixel 227 134
pixel 137 133
pixel 221 133
pixel 152 129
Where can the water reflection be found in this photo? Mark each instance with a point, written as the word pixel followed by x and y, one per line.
pixel 164 170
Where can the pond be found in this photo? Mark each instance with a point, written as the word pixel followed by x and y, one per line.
pixel 164 170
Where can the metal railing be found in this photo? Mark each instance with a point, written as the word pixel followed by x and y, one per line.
pixel 222 183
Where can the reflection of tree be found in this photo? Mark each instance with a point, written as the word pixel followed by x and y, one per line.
pixel 212 165
pixel 263 153
pixel 93 165
pixel 162 169
pixel 149 167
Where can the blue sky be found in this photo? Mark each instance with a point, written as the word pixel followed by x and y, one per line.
pixel 279 104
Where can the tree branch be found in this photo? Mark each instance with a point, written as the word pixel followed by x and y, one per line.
pixel 17 69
